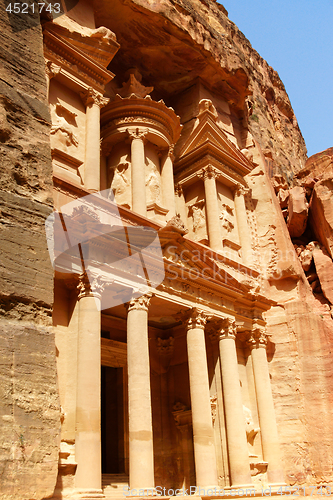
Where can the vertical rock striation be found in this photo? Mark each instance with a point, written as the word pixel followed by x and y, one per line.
pixel 29 412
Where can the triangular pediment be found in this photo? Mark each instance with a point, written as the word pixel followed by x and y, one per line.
pixel 208 133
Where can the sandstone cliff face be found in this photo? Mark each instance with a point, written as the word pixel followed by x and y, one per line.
pixel 29 401
pixel 176 43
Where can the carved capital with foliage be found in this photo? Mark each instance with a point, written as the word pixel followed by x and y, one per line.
pixel 228 329
pixel 258 336
pixel 209 172
pixel 90 286
pixel 241 190
pixel 197 319
pixel 91 97
pixel 140 303
pixel 137 133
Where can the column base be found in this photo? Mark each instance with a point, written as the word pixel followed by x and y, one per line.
pixel 90 494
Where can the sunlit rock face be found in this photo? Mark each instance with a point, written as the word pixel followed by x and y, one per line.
pixel 207 357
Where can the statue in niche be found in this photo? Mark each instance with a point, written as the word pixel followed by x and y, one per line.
pixel 153 185
pixel 63 123
pixel 226 216
pixel 197 212
pixel 120 183
pixel 251 430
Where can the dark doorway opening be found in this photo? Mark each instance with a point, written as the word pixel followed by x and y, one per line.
pixel 112 420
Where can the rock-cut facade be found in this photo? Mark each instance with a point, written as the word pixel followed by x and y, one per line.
pixel 166 288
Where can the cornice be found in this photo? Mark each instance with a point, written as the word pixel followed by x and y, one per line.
pixel 75 62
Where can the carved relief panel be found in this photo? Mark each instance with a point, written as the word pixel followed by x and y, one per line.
pixel 67 132
pixel 196 212
pixel 228 221
pixel 119 173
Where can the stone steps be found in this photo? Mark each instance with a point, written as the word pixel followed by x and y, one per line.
pixel 113 484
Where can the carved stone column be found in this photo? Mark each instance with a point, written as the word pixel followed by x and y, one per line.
pixel 139 204
pixel 167 179
pixel 267 421
pixel 180 203
pixel 203 433
pixel 235 423
pixel 209 175
pixel 93 102
pixel 88 405
pixel 243 227
pixel 51 70
pixel 141 454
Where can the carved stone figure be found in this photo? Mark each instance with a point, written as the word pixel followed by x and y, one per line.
pixel 120 183
pixel 251 430
pixel 153 185
pixel 197 212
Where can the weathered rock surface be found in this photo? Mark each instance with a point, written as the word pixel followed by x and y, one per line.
pixel 321 213
pixel 324 268
pixel 29 402
pixel 297 211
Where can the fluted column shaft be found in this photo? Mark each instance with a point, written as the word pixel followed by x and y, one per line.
pixel 213 219
pixel 88 406
pixel 167 180
pixel 94 102
pixel 139 204
pixel 235 422
pixel 203 434
pixel 141 454
pixel 267 419
pixel 243 227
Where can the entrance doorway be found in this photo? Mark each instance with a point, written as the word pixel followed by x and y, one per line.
pixel 112 420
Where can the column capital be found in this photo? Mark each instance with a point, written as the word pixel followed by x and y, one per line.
pixel 140 303
pixel 178 189
pixel 170 151
pixel 241 190
pixel 51 69
pixel 91 97
pixel 137 133
pixel 257 337
pixel 196 319
pixel 228 329
pixel 209 172
pixel 90 286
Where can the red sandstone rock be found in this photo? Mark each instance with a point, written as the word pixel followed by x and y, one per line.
pixel 298 211
pixel 324 268
pixel 321 213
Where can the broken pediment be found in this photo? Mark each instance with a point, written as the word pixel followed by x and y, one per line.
pixel 98 44
pixel 80 55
